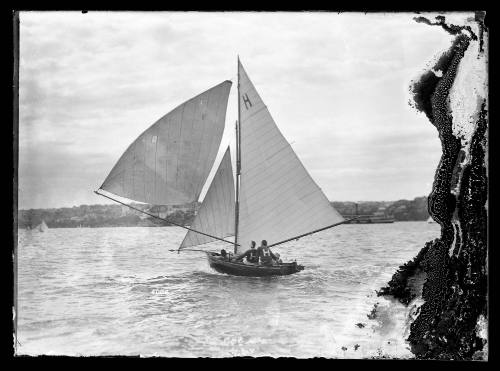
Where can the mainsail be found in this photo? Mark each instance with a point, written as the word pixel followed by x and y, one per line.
pixel 216 213
pixel 169 163
pixel 278 198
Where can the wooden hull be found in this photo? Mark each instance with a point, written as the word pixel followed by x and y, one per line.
pixel 241 269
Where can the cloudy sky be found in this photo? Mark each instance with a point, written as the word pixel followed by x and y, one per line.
pixel 336 85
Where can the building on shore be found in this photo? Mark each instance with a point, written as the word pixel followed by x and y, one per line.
pixel 379 216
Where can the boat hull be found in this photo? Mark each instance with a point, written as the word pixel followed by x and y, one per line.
pixel 217 263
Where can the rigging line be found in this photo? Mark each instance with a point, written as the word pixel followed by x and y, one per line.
pixel 176 250
pixel 168 221
pixel 315 231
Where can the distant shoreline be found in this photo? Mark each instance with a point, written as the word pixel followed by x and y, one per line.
pixel 114 215
pixel 168 226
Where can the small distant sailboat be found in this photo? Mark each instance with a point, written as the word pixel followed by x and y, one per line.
pixel 270 195
pixel 42 227
pixel 430 220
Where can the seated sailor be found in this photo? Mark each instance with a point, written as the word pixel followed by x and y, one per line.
pixel 265 254
pixel 251 254
pixel 223 253
pixel 278 260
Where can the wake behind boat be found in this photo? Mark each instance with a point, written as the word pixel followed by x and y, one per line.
pixel 269 196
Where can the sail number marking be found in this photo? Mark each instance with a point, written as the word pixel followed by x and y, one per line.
pixel 246 100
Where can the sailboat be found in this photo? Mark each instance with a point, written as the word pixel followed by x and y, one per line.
pixel 42 227
pixel 268 196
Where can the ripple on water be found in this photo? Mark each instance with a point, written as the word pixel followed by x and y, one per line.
pixel 119 291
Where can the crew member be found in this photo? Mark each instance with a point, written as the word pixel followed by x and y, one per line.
pixel 266 256
pixel 251 254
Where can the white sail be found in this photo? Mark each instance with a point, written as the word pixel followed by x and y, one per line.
pixel 278 198
pixel 42 227
pixel 216 213
pixel 169 163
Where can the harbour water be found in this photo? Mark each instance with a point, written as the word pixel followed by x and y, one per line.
pixel 119 291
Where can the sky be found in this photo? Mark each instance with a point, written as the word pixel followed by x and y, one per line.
pixel 337 86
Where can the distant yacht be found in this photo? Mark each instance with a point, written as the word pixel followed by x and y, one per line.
pixel 42 227
pixel 430 220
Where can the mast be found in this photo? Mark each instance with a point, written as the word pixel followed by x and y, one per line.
pixel 238 167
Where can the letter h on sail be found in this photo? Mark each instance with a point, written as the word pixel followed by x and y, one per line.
pixel 246 100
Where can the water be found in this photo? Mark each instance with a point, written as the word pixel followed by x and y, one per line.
pixel 110 291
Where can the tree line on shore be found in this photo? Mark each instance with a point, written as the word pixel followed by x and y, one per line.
pixel 122 216
pixel 101 216
pixel 401 210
